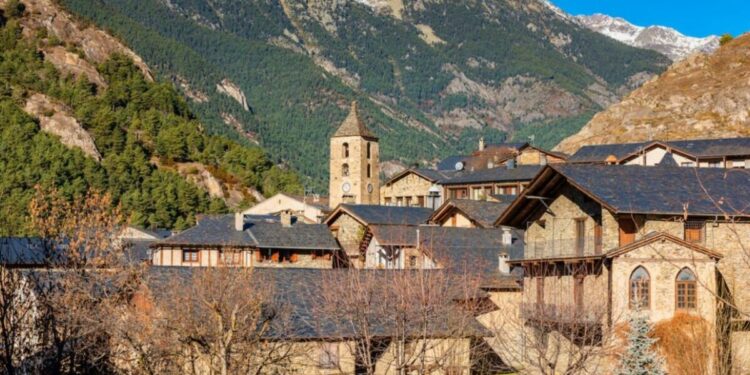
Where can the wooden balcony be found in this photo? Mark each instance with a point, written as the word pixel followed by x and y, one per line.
pixel 582 324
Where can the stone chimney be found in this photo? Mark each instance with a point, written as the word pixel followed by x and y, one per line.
pixel 481 144
pixel 502 263
pixel 507 237
pixel 286 219
pixel 239 221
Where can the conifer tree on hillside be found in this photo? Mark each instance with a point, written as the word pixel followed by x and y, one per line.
pixel 641 356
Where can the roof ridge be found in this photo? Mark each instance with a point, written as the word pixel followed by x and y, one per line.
pixel 353 125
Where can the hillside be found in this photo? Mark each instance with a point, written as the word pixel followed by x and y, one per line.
pixel 431 76
pixel 704 96
pixel 82 111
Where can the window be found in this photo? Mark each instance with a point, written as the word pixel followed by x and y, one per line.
pixel 268 255
pixel 346 150
pixel 231 257
pixel 640 284
pixel 597 235
pixel 288 256
pixel 345 170
pixel 387 201
pixel 399 201
pixel 368 150
pixel 420 201
pixel 369 171
pixel 190 256
pixel 408 201
pixel 413 261
pixel 329 356
pixel 685 290
pixel 714 164
pixel 694 231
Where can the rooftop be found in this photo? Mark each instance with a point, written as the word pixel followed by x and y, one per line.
pixel 376 214
pixel 353 126
pixel 500 174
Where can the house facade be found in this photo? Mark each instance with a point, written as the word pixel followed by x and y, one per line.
pixel 605 242
pixel 467 213
pixel 248 241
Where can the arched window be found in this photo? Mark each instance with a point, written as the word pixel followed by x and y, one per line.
pixel 346 150
pixel 686 289
pixel 640 289
pixel 369 171
pixel 345 170
pixel 368 150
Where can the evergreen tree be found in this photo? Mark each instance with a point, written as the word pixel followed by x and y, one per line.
pixel 641 357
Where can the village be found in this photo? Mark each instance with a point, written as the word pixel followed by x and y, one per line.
pixel 513 259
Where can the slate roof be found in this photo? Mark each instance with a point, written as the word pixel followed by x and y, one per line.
pixel 473 250
pixel 599 153
pixel 22 251
pixel 449 163
pixel 259 232
pixel 434 176
pixel 376 214
pixel 353 125
pixel 298 292
pixel 699 148
pixel 298 236
pixel 500 174
pixel 483 212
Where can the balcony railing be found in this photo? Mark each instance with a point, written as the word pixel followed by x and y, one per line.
pixel 563 313
pixel 563 248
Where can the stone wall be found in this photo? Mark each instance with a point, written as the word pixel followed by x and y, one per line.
pixel 411 185
pixel 357 179
pixel 349 233
pixel 663 260
pixel 461 221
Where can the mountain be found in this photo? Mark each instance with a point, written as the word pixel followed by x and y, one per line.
pixel 82 111
pixel 703 96
pixel 431 76
pixel 665 40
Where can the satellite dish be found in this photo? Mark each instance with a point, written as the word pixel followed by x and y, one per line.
pixel 460 166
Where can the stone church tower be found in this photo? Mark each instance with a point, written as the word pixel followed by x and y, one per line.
pixel 354 170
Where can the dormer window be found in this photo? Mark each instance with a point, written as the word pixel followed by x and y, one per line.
pixel 345 148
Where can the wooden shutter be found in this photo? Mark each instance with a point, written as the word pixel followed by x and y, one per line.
pixel 627 231
pixel 694 231
pixel 597 236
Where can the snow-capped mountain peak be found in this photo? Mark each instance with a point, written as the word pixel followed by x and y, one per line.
pixel 666 40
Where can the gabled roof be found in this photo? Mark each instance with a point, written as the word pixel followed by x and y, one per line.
pixel 353 126
pixel 376 214
pixel 259 232
pixel 483 213
pixel 431 175
pixel 299 236
pixel 634 189
pixel 661 236
pixel 500 174
pixel 474 249
pixel 696 148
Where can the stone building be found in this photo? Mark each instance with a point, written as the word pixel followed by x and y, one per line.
pixel 706 153
pixel 349 223
pixel 354 163
pixel 310 208
pixel 603 241
pixel 467 213
pixel 249 241
pixel 423 187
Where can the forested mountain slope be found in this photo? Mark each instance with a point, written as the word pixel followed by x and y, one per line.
pixel 80 111
pixel 431 76
pixel 703 96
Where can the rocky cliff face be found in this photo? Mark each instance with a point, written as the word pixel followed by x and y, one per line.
pixel 662 39
pixel 55 119
pixel 703 96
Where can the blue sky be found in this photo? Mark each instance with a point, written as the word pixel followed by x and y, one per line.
pixel 690 17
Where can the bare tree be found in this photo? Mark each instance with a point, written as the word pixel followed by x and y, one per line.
pixel 220 320
pixel 407 321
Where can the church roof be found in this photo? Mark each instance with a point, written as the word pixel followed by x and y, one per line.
pixel 353 126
